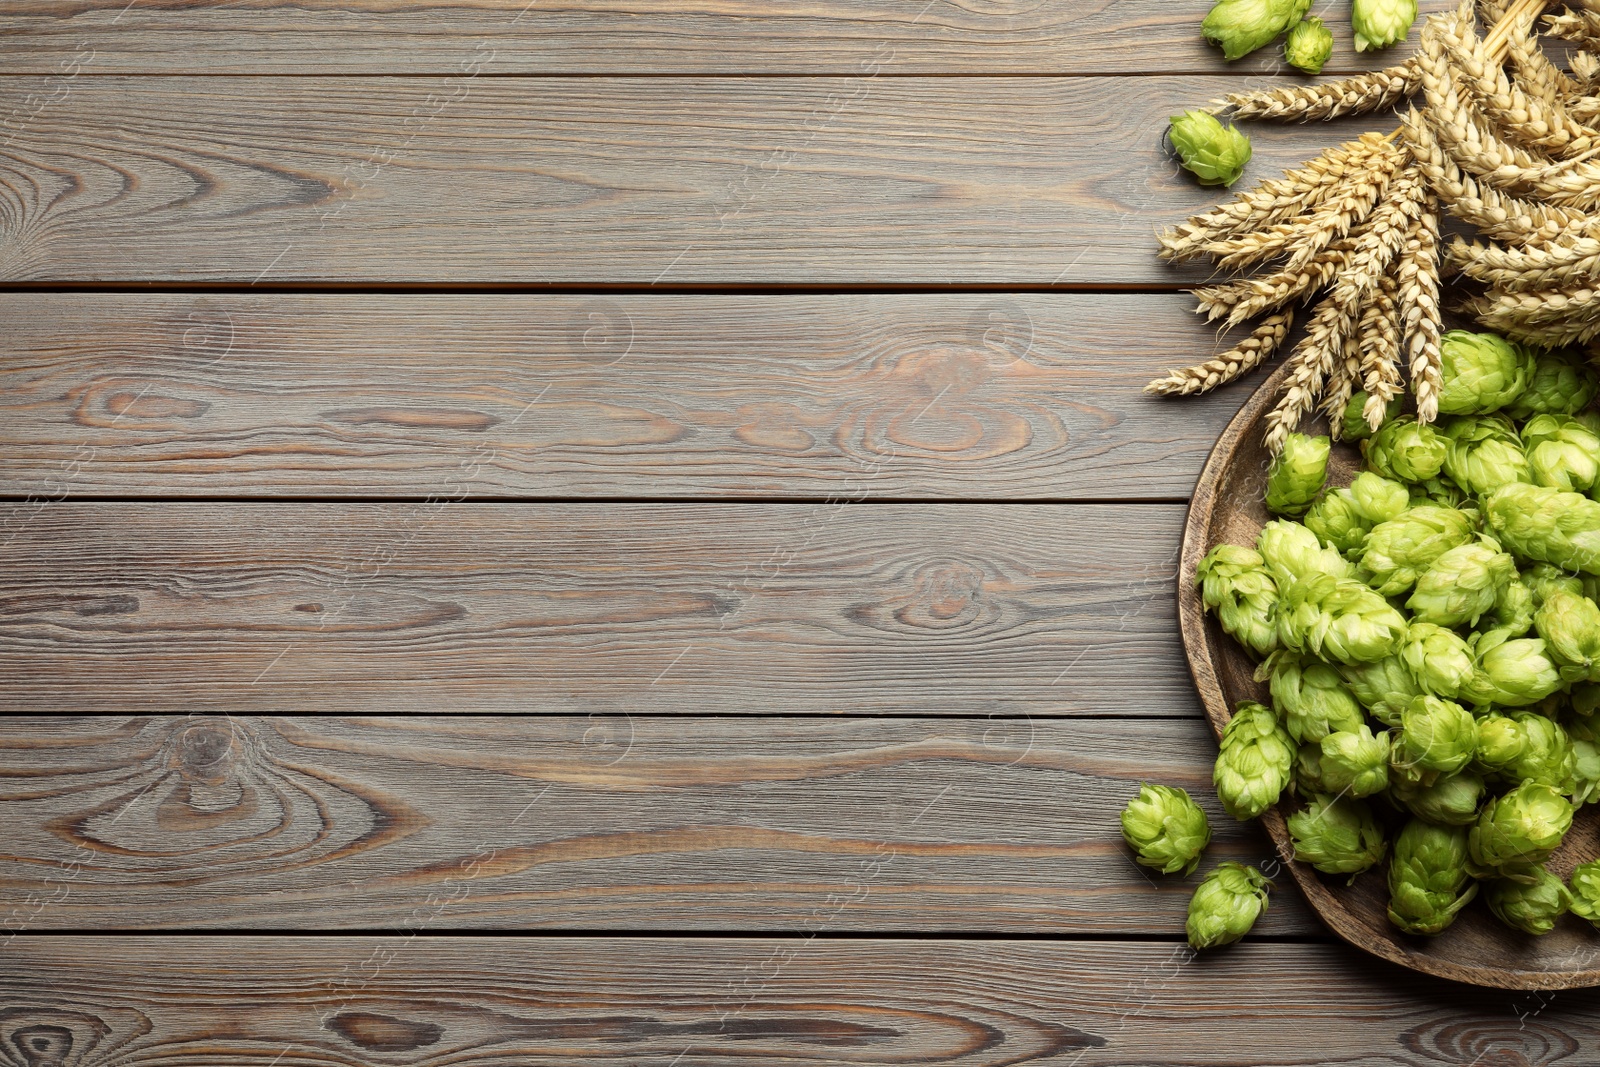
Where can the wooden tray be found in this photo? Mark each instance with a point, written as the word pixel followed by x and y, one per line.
pixel 1477 948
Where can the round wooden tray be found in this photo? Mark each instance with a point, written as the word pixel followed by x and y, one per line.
pixel 1477 948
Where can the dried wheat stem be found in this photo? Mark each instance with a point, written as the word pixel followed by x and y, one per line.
pixel 1246 298
pixel 1566 266
pixel 1272 202
pixel 1417 284
pixel 1527 118
pixel 1371 91
pixel 1310 364
pixel 1239 360
pixel 1379 331
pixel 1555 317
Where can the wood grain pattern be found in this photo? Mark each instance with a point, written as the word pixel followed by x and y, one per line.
pixel 456 607
pixel 995 182
pixel 353 1002
pixel 1022 396
pixel 822 825
pixel 630 37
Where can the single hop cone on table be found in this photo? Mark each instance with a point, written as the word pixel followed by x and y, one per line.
pixel 1308 45
pixel 1381 23
pixel 1239 27
pixel 1215 154
pixel 1226 905
pixel 1166 829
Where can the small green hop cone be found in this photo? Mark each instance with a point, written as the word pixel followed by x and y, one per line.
pixel 1355 762
pixel 1451 800
pixel 1518 831
pixel 1381 23
pixel 1461 585
pixel 1484 454
pixel 1215 154
pixel 1166 829
pixel 1226 905
pixel 1338 522
pixel 1337 835
pixel 1428 879
pixel 1435 737
pixel 1293 553
pixel 1297 474
pixel 1532 907
pixel 1239 27
pixel 1570 627
pixel 1254 761
pixel 1237 587
pixel 1406 451
pixel 1585 888
pixel 1308 45
pixel 1439 659
pixel 1546 525
pixel 1310 696
pixel 1563 453
pixel 1563 383
pixel 1384 687
pixel 1397 552
pixel 1517 673
pixel 1482 373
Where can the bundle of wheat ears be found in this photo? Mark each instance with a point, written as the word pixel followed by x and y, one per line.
pixel 1500 138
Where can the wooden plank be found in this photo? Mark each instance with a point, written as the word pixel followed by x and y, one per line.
pixel 998 182
pixel 943 609
pixel 604 823
pixel 199 1001
pixel 1026 396
pixel 630 37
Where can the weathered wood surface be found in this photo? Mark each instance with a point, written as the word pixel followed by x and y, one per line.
pixel 913 825
pixel 994 182
pixel 1027 396
pixel 865 609
pixel 632 37
pixel 341 1002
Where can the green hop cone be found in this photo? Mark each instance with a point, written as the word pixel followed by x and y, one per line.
pixel 1570 626
pixel 1355 425
pixel 1513 610
pixel 1337 835
pixel 1584 736
pixel 1297 474
pixel 1397 552
pixel 1355 762
pixel 1450 800
pixel 1518 831
pixel 1435 737
pixel 1379 499
pixel 1585 889
pixel 1293 553
pixel 1309 695
pixel 1513 673
pixel 1547 755
pixel 1215 154
pixel 1484 454
pixel 1461 585
pixel 1384 687
pixel 1440 492
pixel 1563 383
pixel 1307 776
pixel 1428 879
pixel 1502 743
pixel 1482 373
pixel 1338 522
pixel 1226 905
pixel 1438 658
pixel 1542 579
pixel 1235 584
pixel 1563 453
pixel 1239 27
pixel 1380 23
pixel 1308 46
pixel 1166 829
pixel 1338 619
pixel 1254 761
pixel 1406 451
pixel 1546 525
pixel 1532 907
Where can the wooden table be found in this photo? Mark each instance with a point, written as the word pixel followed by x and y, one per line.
pixel 617 532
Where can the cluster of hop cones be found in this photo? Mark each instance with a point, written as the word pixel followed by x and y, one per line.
pixel 1497 134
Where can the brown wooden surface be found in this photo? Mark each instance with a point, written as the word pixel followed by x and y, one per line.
pixel 595 822
pixel 1006 396
pixel 944 609
pixel 630 37
pixel 196 1002
pixel 990 182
